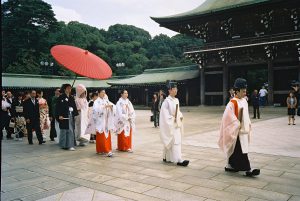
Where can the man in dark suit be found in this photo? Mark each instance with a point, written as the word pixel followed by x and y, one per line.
pixel 32 116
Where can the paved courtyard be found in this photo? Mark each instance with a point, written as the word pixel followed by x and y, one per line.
pixel 48 173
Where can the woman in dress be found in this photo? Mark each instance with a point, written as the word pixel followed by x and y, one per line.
pixel 44 113
pixel 291 102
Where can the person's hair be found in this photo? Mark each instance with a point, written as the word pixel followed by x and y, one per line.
pixel 63 87
pixel 20 94
pixel 101 89
pixel 122 91
pixel 33 90
pixel 39 91
pixel 155 94
pixel 94 94
pixel 292 92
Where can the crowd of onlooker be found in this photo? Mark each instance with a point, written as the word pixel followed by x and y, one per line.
pixel 259 99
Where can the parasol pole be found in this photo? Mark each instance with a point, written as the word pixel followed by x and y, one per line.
pixel 74 80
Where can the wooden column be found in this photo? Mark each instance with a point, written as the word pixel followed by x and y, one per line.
pixel 225 84
pixel 202 86
pixel 270 83
pixel 186 94
pixel 299 74
pixel 147 97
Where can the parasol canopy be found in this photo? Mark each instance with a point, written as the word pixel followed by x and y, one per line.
pixel 82 62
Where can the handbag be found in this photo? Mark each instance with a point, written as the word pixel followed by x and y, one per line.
pixel 151 118
pixel 19 109
pixel 12 124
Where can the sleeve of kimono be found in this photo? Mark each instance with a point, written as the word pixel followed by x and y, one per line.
pixel 120 112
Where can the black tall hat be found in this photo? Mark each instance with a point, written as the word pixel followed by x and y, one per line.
pixel 171 84
pixel 240 83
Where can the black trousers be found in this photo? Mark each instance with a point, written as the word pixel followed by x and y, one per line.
pixel 52 129
pixel 5 119
pixel 156 118
pixel 256 111
pixel 238 160
pixel 36 126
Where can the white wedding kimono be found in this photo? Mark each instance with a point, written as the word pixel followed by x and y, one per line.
pixel 102 116
pixel 171 129
pixel 81 121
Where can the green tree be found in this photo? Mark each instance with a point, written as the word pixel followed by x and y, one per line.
pixel 25 64
pixel 26 24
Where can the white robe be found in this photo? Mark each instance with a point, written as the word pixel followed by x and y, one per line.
pixel 171 131
pixel 103 117
pixel 125 117
pixel 231 128
pixel 81 121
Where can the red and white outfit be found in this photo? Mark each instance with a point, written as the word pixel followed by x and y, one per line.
pixel 103 116
pixel 125 124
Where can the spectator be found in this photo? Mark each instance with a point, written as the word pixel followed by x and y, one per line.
pixel 32 116
pixel 255 104
pixel 9 99
pixel 53 132
pixel 291 104
pixel 44 113
pixel 154 110
pixel 5 118
pixel 18 115
pixel 263 96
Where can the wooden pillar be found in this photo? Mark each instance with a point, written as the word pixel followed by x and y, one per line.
pixel 147 99
pixel 299 74
pixel 270 83
pixel 202 87
pixel 186 94
pixel 225 84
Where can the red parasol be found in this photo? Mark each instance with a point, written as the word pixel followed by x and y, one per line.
pixel 82 62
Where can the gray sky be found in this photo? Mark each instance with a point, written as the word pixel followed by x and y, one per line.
pixel 103 13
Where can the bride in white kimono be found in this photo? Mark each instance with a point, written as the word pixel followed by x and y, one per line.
pixel 171 127
pixel 81 121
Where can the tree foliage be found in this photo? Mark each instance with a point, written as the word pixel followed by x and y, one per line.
pixel 29 31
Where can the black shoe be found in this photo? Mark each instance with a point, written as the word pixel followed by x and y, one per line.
pixel 42 142
pixel 254 172
pixel 230 169
pixel 30 143
pixel 184 163
pixel 52 139
pixel 164 160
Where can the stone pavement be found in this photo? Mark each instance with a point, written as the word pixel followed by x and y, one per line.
pixel 48 173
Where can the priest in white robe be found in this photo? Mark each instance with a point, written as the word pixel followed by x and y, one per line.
pixel 171 127
pixel 235 132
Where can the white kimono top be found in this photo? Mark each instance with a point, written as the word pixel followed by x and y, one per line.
pixel 125 117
